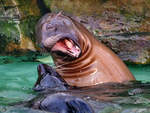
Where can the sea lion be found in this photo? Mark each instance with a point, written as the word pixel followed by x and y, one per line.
pixel 48 78
pixel 60 103
pixel 80 59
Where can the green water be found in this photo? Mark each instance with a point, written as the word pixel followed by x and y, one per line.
pixel 16 81
pixel 142 73
pixel 18 77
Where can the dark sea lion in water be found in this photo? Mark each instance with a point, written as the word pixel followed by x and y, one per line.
pixel 60 103
pixel 80 59
pixel 53 96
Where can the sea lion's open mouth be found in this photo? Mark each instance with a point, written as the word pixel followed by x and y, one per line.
pixel 67 46
pixel 62 44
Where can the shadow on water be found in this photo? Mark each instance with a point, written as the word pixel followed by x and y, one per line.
pixel 18 78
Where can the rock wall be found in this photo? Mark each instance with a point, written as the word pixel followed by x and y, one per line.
pixel 123 25
pixel 17 23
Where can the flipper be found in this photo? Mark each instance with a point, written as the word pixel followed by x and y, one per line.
pixel 65 103
pixel 48 78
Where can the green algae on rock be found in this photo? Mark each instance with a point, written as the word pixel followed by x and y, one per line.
pixel 17 25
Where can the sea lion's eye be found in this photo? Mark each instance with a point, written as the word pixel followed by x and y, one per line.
pixel 50 27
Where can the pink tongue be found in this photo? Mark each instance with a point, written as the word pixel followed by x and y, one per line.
pixel 68 43
pixel 67 46
pixel 72 48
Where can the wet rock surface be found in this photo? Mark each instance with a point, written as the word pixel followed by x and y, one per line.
pixel 91 7
pixel 131 48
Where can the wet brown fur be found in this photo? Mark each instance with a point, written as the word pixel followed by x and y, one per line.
pixel 97 63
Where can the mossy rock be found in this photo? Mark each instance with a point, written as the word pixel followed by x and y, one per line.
pixel 131 48
pixel 17 25
pixel 108 18
pixel 90 7
pixel 132 15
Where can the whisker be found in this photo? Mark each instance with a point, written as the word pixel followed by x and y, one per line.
pixel 56 67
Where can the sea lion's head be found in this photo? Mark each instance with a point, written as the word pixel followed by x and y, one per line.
pixel 56 34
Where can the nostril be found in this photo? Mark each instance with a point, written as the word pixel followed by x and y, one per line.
pixel 50 27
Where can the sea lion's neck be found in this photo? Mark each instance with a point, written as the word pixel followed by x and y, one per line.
pixel 80 66
pixel 84 66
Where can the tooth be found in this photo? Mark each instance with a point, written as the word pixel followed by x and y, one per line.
pixel 77 47
pixel 68 43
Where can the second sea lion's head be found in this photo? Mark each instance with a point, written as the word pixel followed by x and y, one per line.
pixel 56 34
